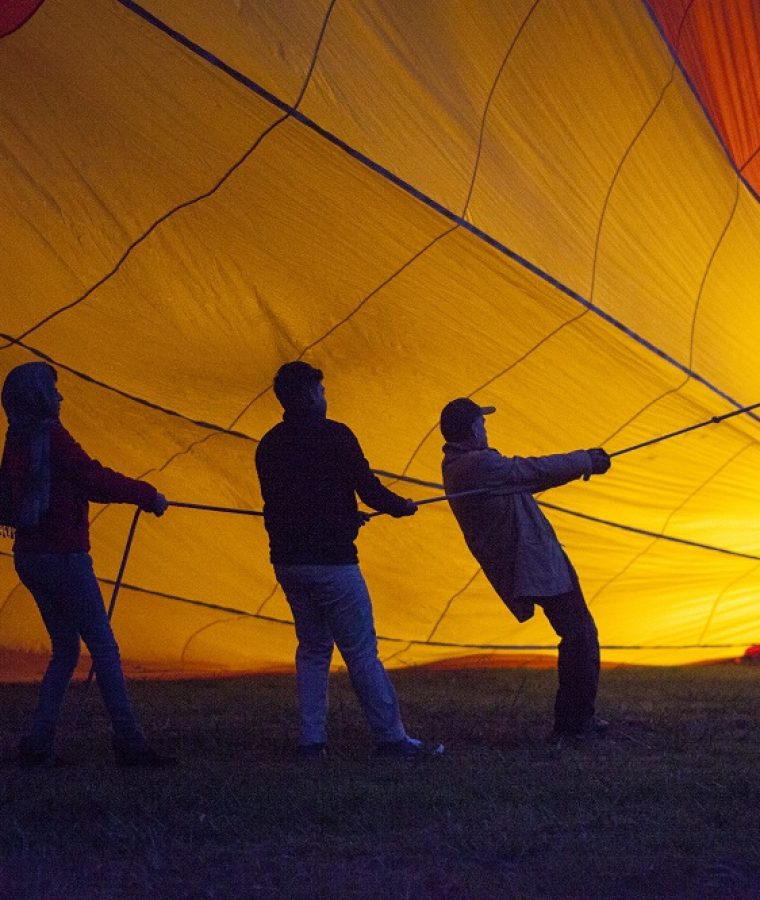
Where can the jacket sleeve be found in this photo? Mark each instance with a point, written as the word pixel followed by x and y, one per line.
pixel 534 473
pixel 95 481
pixel 367 485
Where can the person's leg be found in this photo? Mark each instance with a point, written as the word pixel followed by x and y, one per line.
pixel 578 661
pixel 348 609
pixel 39 574
pixel 314 651
pixel 92 623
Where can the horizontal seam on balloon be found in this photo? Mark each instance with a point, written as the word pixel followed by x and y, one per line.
pixel 127 396
pixel 644 550
pixel 499 375
pixel 349 316
pixel 116 268
pixel 674 53
pixel 571 512
pixel 398 640
pixel 645 532
pixel 423 198
pixel 423 643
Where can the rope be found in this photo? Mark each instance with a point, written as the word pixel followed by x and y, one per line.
pixel 458 494
pixel 714 420
pixel 222 509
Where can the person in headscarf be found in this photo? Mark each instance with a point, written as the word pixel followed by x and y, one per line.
pixel 46 481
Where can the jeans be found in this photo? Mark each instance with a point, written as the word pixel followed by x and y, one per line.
pixel 331 606
pixel 578 662
pixel 68 596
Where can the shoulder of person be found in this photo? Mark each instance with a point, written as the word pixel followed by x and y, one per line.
pixel 490 458
pixel 61 437
pixel 339 429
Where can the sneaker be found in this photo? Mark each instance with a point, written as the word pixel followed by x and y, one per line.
pixel 312 751
pixel 595 727
pixel 147 757
pixel 408 748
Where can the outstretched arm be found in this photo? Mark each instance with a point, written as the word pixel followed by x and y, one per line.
pixel 101 484
pixel 372 492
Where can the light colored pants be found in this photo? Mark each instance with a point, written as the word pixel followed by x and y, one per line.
pixel 331 606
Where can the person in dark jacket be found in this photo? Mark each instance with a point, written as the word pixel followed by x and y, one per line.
pixel 511 538
pixel 311 469
pixel 46 481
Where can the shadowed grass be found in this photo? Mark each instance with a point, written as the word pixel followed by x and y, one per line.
pixel 667 806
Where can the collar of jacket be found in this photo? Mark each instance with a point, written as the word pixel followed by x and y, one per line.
pixel 468 445
pixel 303 418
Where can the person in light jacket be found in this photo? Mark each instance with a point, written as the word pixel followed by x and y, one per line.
pixel 519 552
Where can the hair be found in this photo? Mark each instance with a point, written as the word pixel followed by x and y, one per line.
pixel 294 383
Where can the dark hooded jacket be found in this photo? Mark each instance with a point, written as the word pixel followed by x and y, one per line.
pixel 311 469
pixel 46 478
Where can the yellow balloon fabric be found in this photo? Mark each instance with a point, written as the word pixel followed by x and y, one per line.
pixel 522 202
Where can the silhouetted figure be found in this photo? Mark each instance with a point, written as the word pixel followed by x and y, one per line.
pixel 518 550
pixel 311 469
pixel 46 481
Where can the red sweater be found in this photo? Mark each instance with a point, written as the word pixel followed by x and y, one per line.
pixel 76 478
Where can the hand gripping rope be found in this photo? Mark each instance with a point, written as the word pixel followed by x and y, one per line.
pixel 714 420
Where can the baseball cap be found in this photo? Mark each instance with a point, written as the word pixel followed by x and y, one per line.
pixel 459 414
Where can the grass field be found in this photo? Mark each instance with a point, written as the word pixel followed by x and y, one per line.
pixel 668 805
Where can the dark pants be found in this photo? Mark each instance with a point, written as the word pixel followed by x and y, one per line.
pixel 578 662
pixel 68 595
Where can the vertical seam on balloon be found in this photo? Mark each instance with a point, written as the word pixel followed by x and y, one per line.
pixel 139 240
pixel 266 599
pixel 618 170
pixel 315 54
pixel 706 273
pixel 193 635
pixel 498 375
pixel 412 259
pixel 428 201
pixel 449 603
pixel 288 113
pixel 668 518
pixel 674 53
pixel 491 93
pixel 643 409
pixel 719 597
pixel 414 192
pixel 684 17
pixel 750 158
pixel 386 659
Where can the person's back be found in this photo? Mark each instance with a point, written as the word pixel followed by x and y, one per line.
pixel 306 466
pixel 310 469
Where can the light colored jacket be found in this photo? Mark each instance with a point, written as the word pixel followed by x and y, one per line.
pixel 505 530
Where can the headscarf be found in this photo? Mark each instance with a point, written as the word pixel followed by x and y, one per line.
pixel 31 403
